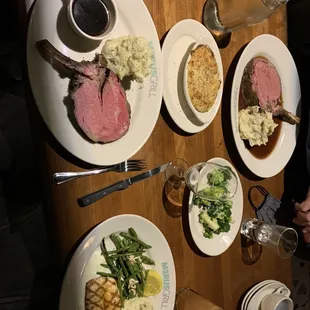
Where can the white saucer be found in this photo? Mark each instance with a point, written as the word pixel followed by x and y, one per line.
pixel 177 45
pixel 252 291
pixel 256 299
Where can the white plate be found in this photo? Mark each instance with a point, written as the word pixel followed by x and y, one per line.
pixel 47 21
pixel 206 117
pixel 253 290
pixel 87 258
pixel 176 48
pixel 257 298
pixel 277 53
pixel 219 243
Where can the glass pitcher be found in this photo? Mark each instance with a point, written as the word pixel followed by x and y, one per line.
pixel 224 16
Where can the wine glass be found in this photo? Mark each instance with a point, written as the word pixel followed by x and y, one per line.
pixel 198 179
pixel 175 186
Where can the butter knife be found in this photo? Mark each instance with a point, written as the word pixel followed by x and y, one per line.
pixel 93 197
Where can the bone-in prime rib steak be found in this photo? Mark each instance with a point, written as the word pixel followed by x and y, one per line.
pixel 100 105
pixel 261 85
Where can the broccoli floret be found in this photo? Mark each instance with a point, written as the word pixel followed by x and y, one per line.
pixel 200 202
pixel 208 233
pixel 216 217
pixel 212 211
pixel 227 172
pixel 224 226
pixel 216 177
pixel 228 213
pixel 214 192
pixel 228 204
pixel 204 218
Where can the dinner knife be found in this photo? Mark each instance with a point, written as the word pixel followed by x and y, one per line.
pixel 101 193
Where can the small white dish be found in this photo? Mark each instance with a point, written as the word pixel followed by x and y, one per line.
pixel 205 117
pixel 219 243
pixel 277 300
pixel 113 12
pixel 177 45
pixel 256 299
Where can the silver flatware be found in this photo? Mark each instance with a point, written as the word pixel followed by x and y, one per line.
pixel 93 197
pixel 128 165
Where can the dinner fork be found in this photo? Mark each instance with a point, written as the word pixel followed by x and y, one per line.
pixel 128 165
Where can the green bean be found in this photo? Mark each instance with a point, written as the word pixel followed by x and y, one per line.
pixel 134 247
pixel 142 288
pixel 109 275
pixel 140 265
pixel 119 284
pixel 136 267
pixel 146 260
pixel 114 240
pixel 111 264
pixel 119 250
pixel 141 273
pixel 109 261
pixel 105 266
pixel 125 291
pixel 142 281
pixel 132 232
pixel 131 277
pixel 139 291
pixel 125 271
pixel 119 240
pixel 127 236
pixel 129 265
pixel 127 254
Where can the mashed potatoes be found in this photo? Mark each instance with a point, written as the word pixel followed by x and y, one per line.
pixel 255 125
pixel 129 56
pixel 138 304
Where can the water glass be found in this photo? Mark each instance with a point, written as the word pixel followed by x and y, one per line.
pixel 187 299
pixel 224 16
pixel 279 239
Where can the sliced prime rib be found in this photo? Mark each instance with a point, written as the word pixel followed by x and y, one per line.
pixel 100 105
pixel 261 85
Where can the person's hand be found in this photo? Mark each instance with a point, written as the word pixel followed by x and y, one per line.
pixel 303 213
pixel 303 217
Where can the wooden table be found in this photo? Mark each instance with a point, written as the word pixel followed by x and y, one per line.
pixel 221 279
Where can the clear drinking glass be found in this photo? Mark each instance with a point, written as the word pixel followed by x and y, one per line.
pixel 175 186
pixel 187 299
pixel 224 16
pixel 196 178
pixel 281 240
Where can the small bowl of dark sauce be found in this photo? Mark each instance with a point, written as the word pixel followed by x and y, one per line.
pixel 93 19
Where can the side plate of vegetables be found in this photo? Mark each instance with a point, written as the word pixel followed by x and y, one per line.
pixel 214 224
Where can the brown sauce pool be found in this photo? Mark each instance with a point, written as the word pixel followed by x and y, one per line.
pixel 263 151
